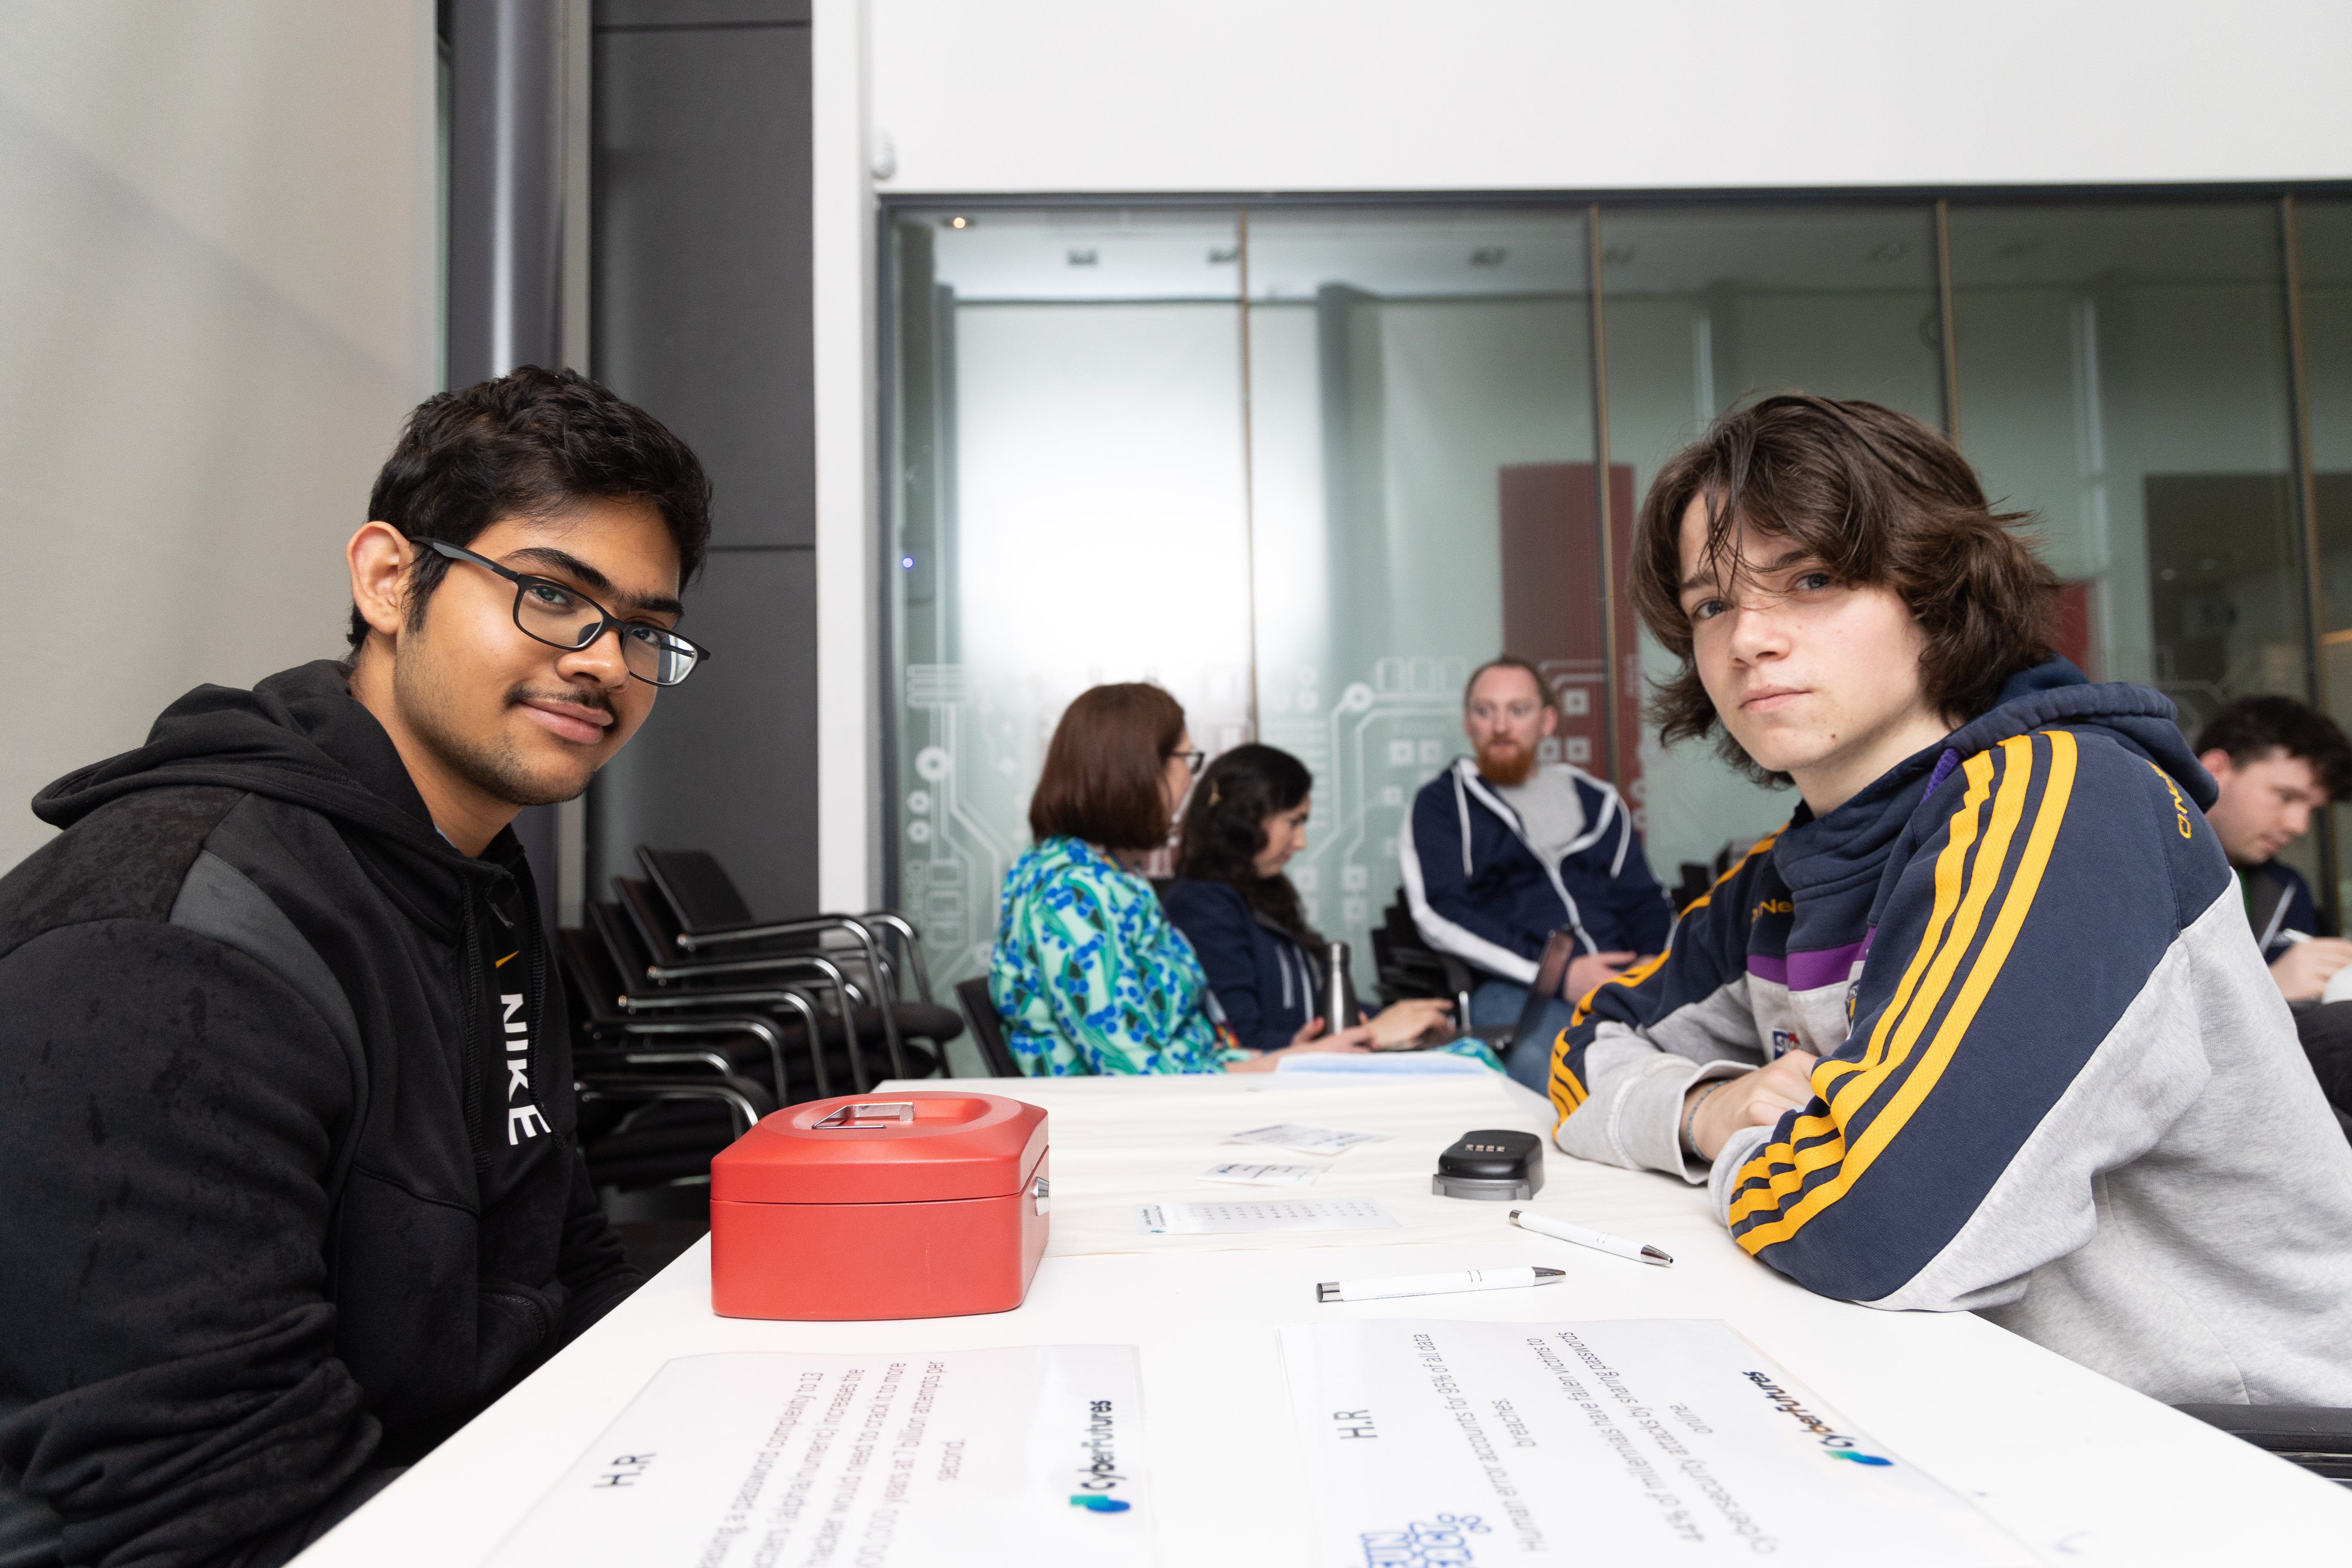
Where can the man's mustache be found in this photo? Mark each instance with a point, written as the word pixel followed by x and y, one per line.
pixel 577 698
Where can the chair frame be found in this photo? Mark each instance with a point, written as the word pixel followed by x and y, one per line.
pixel 636 894
pixel 988 1032
pixel 588 1088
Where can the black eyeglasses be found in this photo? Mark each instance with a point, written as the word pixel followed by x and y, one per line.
pixel 546 611
pixel 1193 760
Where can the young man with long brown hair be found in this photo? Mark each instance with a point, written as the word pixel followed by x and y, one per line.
pixel 1983 1026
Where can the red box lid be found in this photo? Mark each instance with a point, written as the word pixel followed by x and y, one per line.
pixel 919 1147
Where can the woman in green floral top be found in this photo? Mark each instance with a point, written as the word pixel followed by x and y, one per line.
pixel 1089 974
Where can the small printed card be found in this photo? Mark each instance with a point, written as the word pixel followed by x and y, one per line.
pixel 1265 1175
pixel 1263 1214
pixel 1307 1140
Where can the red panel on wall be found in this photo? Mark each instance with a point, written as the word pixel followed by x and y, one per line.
pixel 1551 604
pixel 2072 633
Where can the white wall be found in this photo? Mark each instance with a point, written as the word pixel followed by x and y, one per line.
pixel 1256 95
pixel 1236 96
pixel 217 299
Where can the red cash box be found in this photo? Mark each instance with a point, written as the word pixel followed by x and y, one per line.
pixel 915 1205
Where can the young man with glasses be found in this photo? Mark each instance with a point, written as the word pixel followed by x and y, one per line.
pixel 290 1190
pixel 1502 849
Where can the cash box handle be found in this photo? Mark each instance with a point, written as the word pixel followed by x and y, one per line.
pixel 879 1114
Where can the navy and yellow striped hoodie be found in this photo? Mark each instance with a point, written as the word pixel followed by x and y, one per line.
pixel 2057 1083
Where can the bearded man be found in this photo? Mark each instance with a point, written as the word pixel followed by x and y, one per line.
pixel 1501 850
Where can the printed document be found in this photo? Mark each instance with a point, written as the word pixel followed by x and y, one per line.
pixel 1472 1445
pixel 1263 1176
pixel 763 1460
pixel 1307 1140
pixel 1263 1214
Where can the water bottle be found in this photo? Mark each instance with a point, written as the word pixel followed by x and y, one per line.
pixel 1338 992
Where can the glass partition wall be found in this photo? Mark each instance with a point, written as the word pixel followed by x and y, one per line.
pixel 1306 464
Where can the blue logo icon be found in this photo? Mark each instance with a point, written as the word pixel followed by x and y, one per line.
pixel 1095 1502
pixel 1856 1456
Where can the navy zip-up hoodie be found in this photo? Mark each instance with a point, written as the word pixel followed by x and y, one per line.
pixel 2055 1085
pixel 1478 892
pixel 1263 979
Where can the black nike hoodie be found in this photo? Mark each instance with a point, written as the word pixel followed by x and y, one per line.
pixel 271 1225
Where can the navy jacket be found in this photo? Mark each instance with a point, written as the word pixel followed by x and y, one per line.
pixel 1263 978
pixel 1477 891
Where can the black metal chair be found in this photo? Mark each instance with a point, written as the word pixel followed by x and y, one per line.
pixel 642 991
pixel 638 1131
pixel 1408 966
pixel 2318 1440
pixel 698 921
pixel 987 1028
pixel 759 1039
pixel 709 908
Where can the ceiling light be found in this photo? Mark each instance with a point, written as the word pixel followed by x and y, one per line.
pixel 959 222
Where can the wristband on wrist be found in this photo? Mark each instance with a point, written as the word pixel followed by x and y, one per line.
pixel 1690 1117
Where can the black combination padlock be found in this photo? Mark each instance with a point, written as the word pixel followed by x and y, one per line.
pixel 1492 1163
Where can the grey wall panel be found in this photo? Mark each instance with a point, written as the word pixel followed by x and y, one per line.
pixel 700 314
pixel 702 309
pixel 728 761
pixel 696 13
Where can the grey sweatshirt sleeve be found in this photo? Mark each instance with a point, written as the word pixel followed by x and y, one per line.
pixel 1638 1043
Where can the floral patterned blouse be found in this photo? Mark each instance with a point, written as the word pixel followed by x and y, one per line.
pixel 1089 974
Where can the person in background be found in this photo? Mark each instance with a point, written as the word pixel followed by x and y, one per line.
pixel 2275 761
pixel 1246 819
pixel 1500 851
pixel 1087 973
pixel 1982 1028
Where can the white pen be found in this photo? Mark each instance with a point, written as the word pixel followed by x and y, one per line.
pixel 1434 1284
pixel 1601 1240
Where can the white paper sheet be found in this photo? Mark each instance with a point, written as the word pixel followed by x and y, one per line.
pixel 1264 1175
pixel 1307 1140
pixel 1263 1214
pixel 761 1460
pixel 1647 1441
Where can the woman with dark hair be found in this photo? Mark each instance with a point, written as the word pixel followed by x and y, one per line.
pixel 1087 974
pixel 1247 818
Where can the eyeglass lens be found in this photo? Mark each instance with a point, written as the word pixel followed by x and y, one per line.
pixel 545 611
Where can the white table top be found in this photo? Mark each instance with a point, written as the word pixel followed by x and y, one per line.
pixel 2080 1468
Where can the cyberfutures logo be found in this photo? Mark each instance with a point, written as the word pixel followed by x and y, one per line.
pixel 1444 1542
pixel 1098 1475
pixel 1835 1444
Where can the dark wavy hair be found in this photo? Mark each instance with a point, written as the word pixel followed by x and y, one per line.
pixel 1101 778
pixel 530 444
pixel 1878 498
pixel 2252 727
pixel 1225 830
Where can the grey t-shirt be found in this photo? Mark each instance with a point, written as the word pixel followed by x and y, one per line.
pixel 1549 810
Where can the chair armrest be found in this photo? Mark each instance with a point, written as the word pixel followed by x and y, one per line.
pixel 2283 1429
pixel 738 1095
